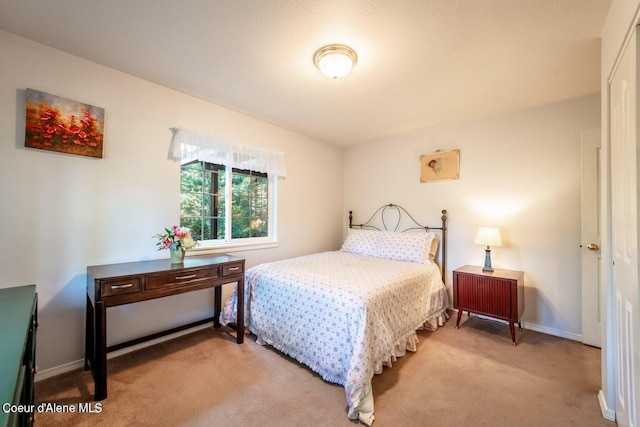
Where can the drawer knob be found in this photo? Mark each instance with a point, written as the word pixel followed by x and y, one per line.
pixel 234 268
pixel 188 276
pixel 125 286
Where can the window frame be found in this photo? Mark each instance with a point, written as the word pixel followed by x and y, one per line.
pixel 229 243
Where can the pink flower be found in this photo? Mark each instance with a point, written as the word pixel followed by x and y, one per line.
pixel 176 237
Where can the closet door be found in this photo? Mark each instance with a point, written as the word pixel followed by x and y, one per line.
pixel 624 222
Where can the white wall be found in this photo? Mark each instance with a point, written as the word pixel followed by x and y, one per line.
pixel 60 212
pixel 519 172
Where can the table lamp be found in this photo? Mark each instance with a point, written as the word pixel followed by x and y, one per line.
pixel 488 236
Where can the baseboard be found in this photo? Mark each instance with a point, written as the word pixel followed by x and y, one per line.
pixel 79 364
pixel 535 327
pixel 607 413
pixel 552 331
pixel 57 370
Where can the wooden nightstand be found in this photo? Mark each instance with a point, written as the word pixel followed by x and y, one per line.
pixel 499 294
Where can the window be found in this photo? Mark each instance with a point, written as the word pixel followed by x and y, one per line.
pixel 227 190
pixel 202 201
pixel 204 208
pixel 249 204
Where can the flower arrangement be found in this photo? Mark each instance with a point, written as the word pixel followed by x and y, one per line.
pixel 176 238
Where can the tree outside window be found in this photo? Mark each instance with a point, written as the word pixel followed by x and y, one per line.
pixel 204 195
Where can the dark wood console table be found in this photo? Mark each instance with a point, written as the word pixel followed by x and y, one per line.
pixel 118 284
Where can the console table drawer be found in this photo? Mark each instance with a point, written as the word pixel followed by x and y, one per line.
pixel 231 269
pixel 180 278
pixel 119 287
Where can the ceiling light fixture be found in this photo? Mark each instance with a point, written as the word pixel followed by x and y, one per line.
pixel 335 60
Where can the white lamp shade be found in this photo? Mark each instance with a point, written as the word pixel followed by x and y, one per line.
pixel 489 236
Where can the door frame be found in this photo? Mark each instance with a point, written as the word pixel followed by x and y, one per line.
pixel 591 202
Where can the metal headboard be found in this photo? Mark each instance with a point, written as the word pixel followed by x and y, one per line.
pixel 404 222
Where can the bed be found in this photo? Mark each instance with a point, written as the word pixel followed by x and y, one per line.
pixel 346 314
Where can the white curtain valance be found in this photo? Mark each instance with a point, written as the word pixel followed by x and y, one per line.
pixel 188 146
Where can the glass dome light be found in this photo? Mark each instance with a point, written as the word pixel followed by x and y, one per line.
pixel 335 61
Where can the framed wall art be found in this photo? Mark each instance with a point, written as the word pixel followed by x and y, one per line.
pixel 440 166
pixel 58 124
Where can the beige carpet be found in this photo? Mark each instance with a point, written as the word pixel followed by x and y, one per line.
pixel 472 376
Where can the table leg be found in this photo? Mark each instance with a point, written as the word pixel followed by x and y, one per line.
pixel 513 332
pixel 89 344
pixel 217 305
pixel 459 317
pixel 100 352
pixel 240 312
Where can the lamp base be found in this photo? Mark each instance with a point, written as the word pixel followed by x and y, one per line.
pixel 487 261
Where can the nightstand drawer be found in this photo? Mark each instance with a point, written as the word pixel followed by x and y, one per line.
pixel 484 295
pixel 119 287
pixel 498 294
pixel 181 278
pixel 231 269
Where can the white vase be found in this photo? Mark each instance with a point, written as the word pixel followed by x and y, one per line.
pixel 177 256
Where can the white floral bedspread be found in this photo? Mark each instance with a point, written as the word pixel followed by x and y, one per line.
pixel 341 314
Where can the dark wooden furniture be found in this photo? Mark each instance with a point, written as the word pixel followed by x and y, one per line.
pixel 119 284
pixel 18 324
pixel 499 294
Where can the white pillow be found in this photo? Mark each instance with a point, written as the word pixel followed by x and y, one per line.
pixel 410 247
pixel 435 242
pixel 362 242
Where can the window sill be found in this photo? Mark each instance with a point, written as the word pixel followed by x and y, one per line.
pixel 203 250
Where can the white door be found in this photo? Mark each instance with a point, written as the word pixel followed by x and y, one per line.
pixel 624 234
pixel 591 255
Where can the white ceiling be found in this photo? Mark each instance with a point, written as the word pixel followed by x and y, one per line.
pixel 421 64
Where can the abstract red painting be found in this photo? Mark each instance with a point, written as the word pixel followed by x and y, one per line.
pixel 58 124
